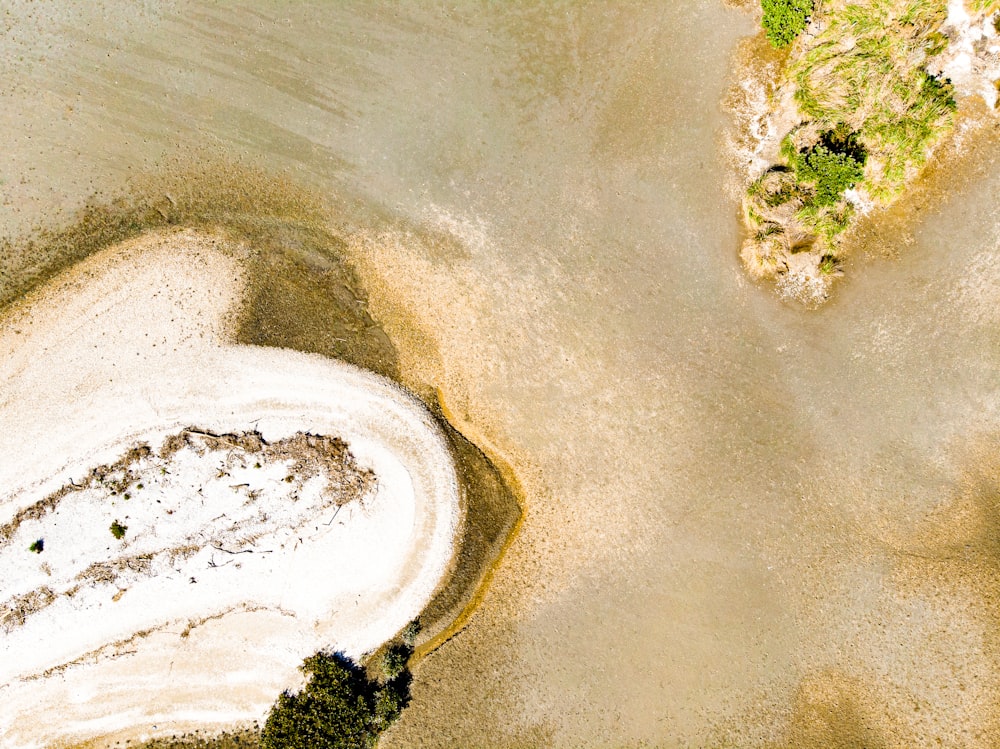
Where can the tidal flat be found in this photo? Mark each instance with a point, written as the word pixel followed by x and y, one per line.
pixel 745 523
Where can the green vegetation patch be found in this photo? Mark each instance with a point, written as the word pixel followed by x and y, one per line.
pixel 866 72
pixel 870 114
pixel 834 164
pixel 339 708
pixel 784 19
pixel 118 530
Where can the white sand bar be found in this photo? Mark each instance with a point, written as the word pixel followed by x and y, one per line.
pixel 132 346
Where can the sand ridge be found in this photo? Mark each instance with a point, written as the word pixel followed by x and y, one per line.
pixel 130 347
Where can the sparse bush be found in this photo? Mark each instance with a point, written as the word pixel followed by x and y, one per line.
pixel 784 19
pixel 827 265
pixel 118 530
pixel 389 704
pixel 38 546
pixel 410 632
pixel 394 661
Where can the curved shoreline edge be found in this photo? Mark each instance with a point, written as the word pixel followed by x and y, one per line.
pixel 292 361
pixel 489 486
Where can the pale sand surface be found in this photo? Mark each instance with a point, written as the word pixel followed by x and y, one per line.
pixel 131 346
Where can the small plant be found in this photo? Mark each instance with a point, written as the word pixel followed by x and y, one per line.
pixel 118 530
pixel 38 546
pixel 784 19
pixel 827 265
pixel 410 632
pixel 936 43
pixel 394 661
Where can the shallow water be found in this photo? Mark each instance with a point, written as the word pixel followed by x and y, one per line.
pixel 725 494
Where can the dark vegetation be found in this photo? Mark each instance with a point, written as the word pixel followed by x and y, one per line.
pixel 343 705
pixel 834 164
pixel 784 19
pixel 118 530
pixel 339 707
pixel 38 546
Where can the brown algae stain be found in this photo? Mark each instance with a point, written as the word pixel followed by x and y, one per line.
pixel 833 711
pixel 303 294
pixel 952 564
pixel 491 525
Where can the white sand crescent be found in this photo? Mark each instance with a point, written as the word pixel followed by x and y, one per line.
pixel 132 346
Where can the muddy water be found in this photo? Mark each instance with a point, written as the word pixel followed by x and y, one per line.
pixel 746 525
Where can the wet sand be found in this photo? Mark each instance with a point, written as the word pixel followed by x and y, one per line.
pixel 726 498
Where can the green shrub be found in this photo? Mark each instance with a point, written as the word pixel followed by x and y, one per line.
pixel 118 530
pixel 831 171
pixel 339 708
pixel 784 19
pixel 833 165
pixel 409 634
pixel 38 546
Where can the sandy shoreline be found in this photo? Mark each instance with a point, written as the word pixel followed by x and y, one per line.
pixel 131 346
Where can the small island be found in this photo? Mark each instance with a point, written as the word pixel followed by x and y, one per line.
pixel 194 528
pixel 864 93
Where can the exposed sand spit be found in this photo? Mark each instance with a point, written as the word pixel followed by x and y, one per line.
pixel 194 620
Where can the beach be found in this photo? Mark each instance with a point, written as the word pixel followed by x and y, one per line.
pixel 210 624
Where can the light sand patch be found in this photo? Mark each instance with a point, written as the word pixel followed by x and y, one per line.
pixel 972 59
pixel 169 629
